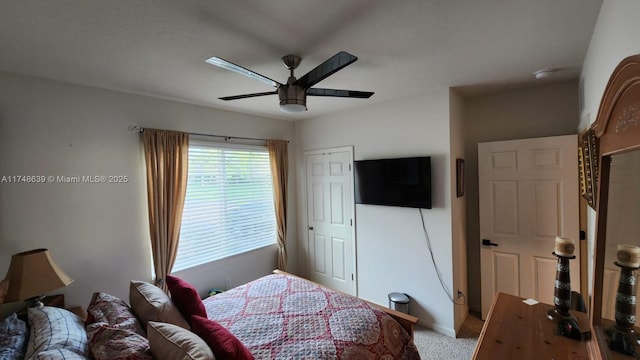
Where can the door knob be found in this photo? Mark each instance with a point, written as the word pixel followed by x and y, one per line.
pixel 488 242
pixel 310 228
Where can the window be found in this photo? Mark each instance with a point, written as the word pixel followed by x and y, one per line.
pixel 228 207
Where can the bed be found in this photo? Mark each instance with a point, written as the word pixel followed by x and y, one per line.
pixel 279 316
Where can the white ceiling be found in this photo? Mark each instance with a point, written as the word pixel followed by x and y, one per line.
pixel 405 48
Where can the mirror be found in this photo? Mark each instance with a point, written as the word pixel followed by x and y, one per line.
pixel 617 128
pixel 623 223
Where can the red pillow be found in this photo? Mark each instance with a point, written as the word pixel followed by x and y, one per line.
pixel 185 297
pixel 221 341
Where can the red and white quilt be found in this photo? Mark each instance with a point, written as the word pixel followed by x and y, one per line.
pixel 284 317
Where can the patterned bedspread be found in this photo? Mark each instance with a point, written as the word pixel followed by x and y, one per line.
pixel 284 317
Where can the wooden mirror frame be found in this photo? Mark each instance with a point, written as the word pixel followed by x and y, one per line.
pixel 617 127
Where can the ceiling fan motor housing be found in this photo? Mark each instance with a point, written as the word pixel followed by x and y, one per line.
pixel 293 98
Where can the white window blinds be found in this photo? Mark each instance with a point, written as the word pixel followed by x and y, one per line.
pixel 228 208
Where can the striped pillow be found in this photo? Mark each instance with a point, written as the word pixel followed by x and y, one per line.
pixel 54 329
pixel 59 354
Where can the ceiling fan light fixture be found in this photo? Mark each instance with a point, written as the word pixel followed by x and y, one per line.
pixel 293 108
pixel 293 99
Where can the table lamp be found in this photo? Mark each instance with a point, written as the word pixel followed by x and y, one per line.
pixel 32 274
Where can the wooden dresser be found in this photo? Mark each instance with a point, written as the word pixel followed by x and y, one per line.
pixel 515 330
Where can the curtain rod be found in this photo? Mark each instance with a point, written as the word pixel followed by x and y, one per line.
pixel 140 129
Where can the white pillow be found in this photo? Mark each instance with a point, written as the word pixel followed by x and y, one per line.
pixel 54 329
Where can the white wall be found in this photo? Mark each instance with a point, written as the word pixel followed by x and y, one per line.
pixel 546 110
pixel 98 233
pixel 614 38
pixel 392 253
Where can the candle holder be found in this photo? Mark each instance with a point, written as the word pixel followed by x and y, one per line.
pixel 623 336
pixel 567 323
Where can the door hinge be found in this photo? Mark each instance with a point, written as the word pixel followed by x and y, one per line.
pixel 351 222
pixel 349 167
pixel 352 277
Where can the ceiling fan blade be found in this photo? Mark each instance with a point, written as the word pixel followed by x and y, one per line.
pixel 339 93
pixel 329 67
pixel 236 97
pixel 240 70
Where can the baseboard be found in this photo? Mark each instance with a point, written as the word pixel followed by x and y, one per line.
pixel 439 328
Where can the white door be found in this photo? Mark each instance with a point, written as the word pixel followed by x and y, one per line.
pixel 330 208
pixel 528 196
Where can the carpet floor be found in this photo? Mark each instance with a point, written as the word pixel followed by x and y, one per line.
pixel 435 346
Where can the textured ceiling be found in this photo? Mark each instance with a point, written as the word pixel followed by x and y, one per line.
pixel 405 48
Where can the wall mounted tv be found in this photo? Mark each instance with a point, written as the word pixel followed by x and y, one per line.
pixel 402 182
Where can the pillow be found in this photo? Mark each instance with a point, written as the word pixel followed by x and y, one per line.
pixel 172 342
pixel 111 343
pixel 108 309
pixel 13 338
pixel 113 330
pixel 186 298
pixel 55 328
pixel 59 354
pixel 223 343
pixel 150 303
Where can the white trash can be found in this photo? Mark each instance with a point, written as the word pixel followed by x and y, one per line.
pixel 399 301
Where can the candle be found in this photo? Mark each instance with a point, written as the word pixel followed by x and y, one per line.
pixel 564 246
pixel 628 255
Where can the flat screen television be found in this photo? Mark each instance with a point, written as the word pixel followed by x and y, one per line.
pixel 402 182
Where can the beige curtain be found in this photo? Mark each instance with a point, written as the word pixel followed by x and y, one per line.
pixel 166 155
pixel 279 160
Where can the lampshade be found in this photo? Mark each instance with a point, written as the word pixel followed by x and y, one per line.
pixel 33 273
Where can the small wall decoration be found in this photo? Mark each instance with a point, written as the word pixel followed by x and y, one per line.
pixel 460 177
pixel 588 152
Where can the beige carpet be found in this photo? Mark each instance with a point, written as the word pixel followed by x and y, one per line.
pixel 435 346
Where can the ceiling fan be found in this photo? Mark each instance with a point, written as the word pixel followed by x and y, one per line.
pixel 293 94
